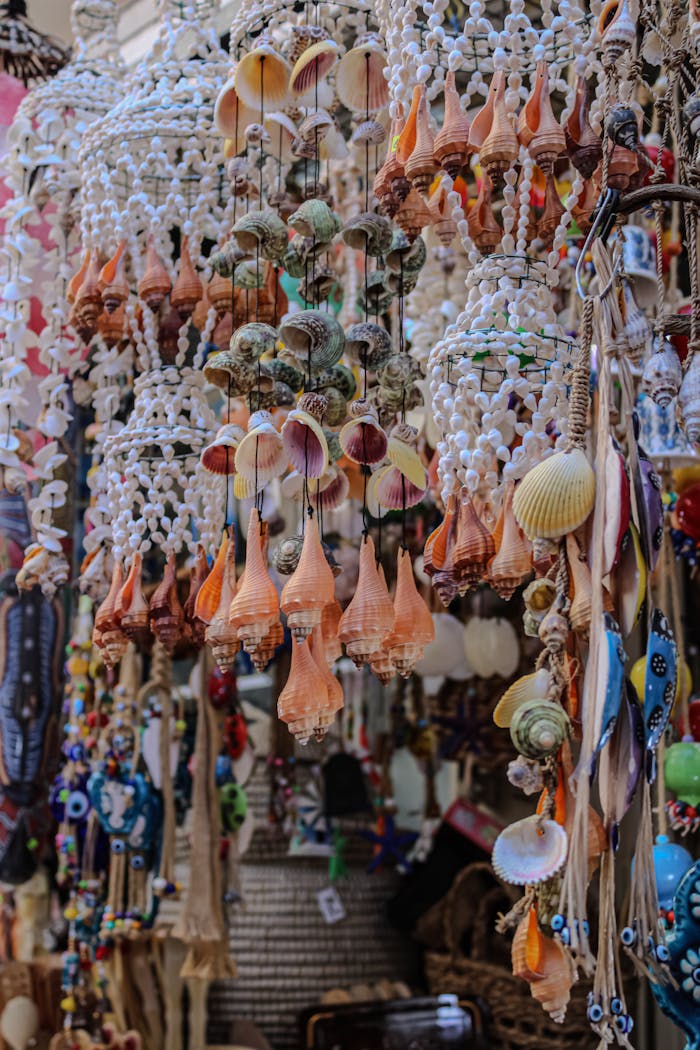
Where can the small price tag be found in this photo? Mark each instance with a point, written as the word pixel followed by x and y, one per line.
pixel 330 905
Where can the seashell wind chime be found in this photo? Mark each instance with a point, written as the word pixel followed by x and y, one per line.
pixel 510 394
pixel 38 257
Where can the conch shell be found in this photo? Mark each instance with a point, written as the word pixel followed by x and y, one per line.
pixel 112 282
pixel 221 636
pixel 413 625
pixel 107 634
pixel 199 574
pixel 512 563
pixel 310 587
pixel 492 133
pixel 188 288
pixel 545 964
pixel 451 147
pixel 132 607
pixel 255 607
pixel 583 145
pixel 166 616
pixel 369 617
pixel 538 129
pixel 421 167
pixel 474 547
pixel 334 702
pixel 155 283
pixel 305 694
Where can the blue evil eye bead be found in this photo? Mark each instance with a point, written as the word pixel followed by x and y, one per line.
pixel 595 1013
pixel 585 927
pixel 76 752
pixel 661 953
pixel 624 1023
pixel 77 805
pixel 616 1006
pixel 558 923
pixel 118 846
pixel 137 862
pixel 565 935
pixel 628 937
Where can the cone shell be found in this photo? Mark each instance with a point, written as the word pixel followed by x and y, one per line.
pixel 305 444
pixel 359 78
pixel 312 66
pixel 413 625
pixel 261 456
pixel 452 141
pixel 132 607
pixel 529 688
pixel 556 496
pixel 310 587
pixel 529 851
pixel 231 116
pixel 155 283
pixel 362 439
pixel 256 606
pixel 247 79
pixel 369 617
pixel 305 694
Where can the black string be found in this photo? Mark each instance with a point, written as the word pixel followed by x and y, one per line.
pixel 262 123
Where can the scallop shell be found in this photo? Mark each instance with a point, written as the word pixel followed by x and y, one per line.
pixel 252 340
pixel 529 851
pixel 421 167
pixel 264 229
pixel 315 219
pixel 260 455
pixel 188 288
pixel 369 617
pixel 413 625
pixel 305 443
pixel 391 489
pixel 334 494
pixel 155 283
pixel 369 233
pixel 402 455
pixel 312 66
pixel 132 607
pixel 368 345
pixel 262 68
pixel 304 695
pixel 362 439
pixel 231 116
pixel 295 485
pixel 556 496
pixel 538 728
pixel 282 132
pixel 255 607
pixel 451 147
pixel 310 588
pixel 528 688
pixel 220 456
pixel 113 286
pixel 359 78
pixel 313 337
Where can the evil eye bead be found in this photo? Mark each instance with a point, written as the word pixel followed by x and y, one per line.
pixel 595 1013
pixel 558 923
pixel 77 805
pixel 628 937
pixel 616 1006
pixel 137 862
pixel 624 1023
pixel 661 953
pixel 118 846
pixel 565 935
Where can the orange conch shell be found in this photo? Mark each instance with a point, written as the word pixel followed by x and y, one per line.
pixel 483 226
pixel 132 607
pixel 221 636
pixel 112 282
pixel 420 167
pixel 198 577
pixel 512 564
pixel 107 634
pixel 155 283
pixel 537 126
pixel 407 138
pixel 265 650
pixel 492 133
pixel 545 964
pixel 188 289
pixel 256 606
pixel 310 587
pixel 77 279
pixel 305 694
pixel 330 621
pixel 369 617
pixel 335 698
pixel 413 624
pixel 207 600
pixel 390 181
pixel 165 612
pixel 474 548
pixel 451 147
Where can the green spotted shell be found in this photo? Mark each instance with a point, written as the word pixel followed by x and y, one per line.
pixel 315 219
pixel 538 728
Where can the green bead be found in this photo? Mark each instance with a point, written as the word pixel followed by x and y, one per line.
pixel 32 844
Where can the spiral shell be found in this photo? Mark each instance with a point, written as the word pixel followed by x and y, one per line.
pixel 369 133
pixel 285 371
pixel 529 851
pixel 369 617
pixel 538 728
pixel 556 496
pixel 310 588
pixel 153 286
pixel 255 607
pixel 451 147
pixel 315 219
pixel 662 376
pixel 264 229
pixel 252 340
pixel 368 345
pixel 369 233
pixel 689 401
pixel 318 285
pixel 188 288
pixel 617 31
pixel 313 337
pixel 223 261
pixel 406 256
pixel 112 283
pixel 340 377
pixel 230 372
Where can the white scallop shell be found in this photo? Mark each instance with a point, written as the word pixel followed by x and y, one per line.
pixel 529 851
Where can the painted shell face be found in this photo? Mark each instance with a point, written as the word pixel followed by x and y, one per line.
pixel 529 851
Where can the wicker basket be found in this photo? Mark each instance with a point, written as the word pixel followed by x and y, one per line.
pixel 466 968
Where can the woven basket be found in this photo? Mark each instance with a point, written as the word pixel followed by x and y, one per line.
pixel 466 968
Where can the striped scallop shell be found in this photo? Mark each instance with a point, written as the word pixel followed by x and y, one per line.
pixel 556 496
pixel 529 851
pixel 260 456
pixel 265 68
pixel 359 79
pixel 312 66
pixel 530 687
pixel 305 444
pixel 220 456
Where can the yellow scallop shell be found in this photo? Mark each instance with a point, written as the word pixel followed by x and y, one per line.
pixel 405 458
pixel 556 496
pixel 529 687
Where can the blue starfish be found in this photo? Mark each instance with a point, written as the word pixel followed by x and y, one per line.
pixel 393 845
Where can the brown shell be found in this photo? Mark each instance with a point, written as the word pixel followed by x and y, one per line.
pixel 413 215
pixel 538 128
pixel 221 636
pixel 421 166
pixel 390 170
pixel 512 563
pixel 305 693
pixel 219 294
pixel 208 597
pixel 413 625
pixel 483 227
pixel 88 300
pixel 131 604
pixel 451 147
pixel 77 279
pixel 166 617
pixel 111 326
pixel 435 550
pixel 369 617
pixel 199 574
pixel 265 650
pixel 444 225
pixel 581 587
pixel 622 166
pixel 585 206
pixel 107 634
pixel 155 283
pixel 310 587
pixel 256 605
pixel 112 281
pixel 492 133
pixel 407 139
pixel 553 211
pixel 584 147
pixel 335 697
pixel 474 547
pixel 330 621
pixel 382 666
pixel 187 290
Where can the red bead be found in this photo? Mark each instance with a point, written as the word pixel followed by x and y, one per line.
pixel 691 812
pixel 670 917
pixel 102 952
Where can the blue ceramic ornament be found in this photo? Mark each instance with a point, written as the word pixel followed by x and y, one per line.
pixel 671 862
pixel 682 1004
pixel 614 678
pixel 118 802
pixel 659 684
